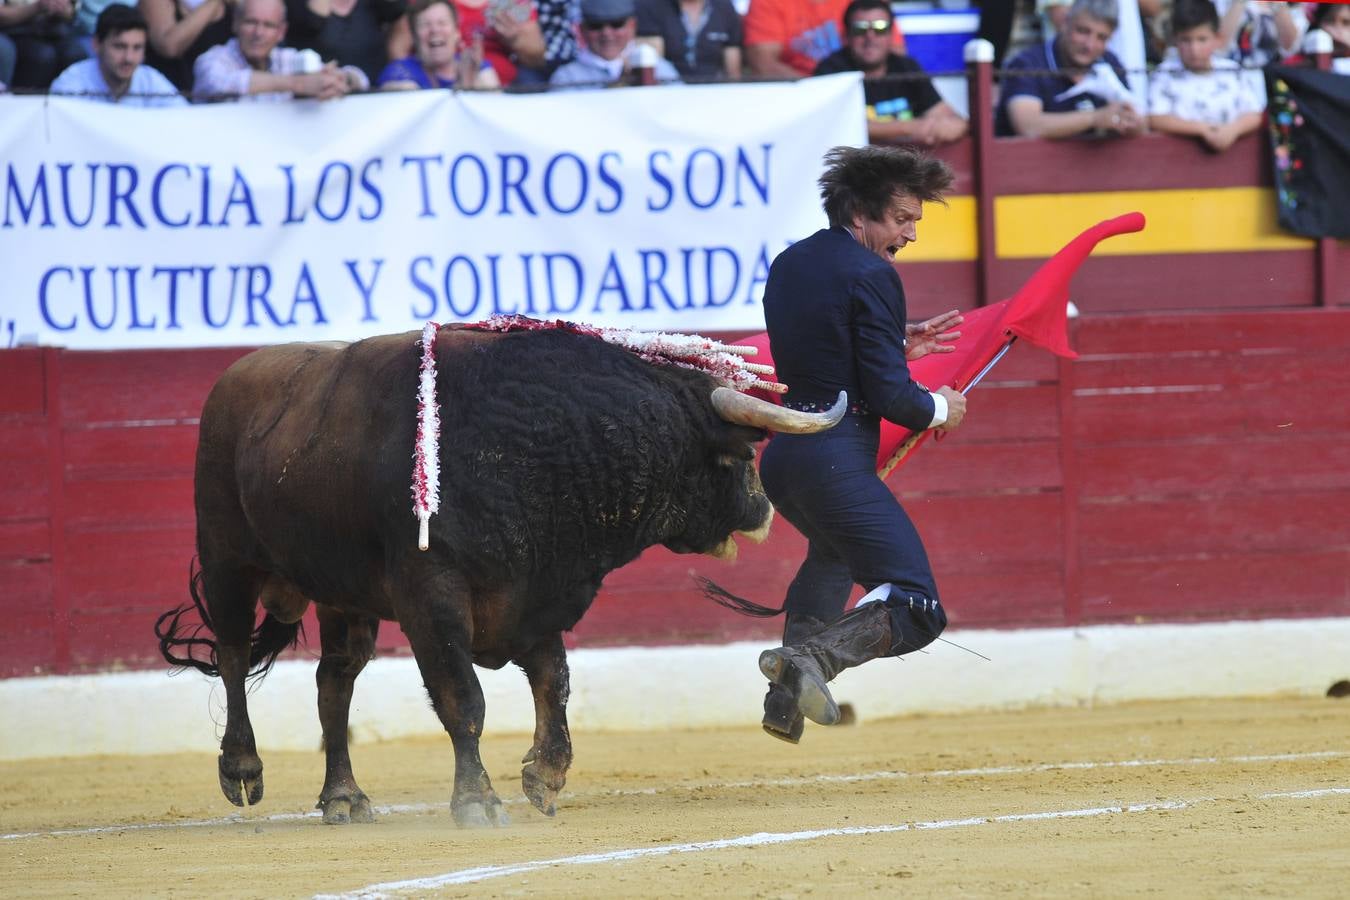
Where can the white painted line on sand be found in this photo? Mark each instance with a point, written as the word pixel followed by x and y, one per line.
pixel 418 808
pixel 483 873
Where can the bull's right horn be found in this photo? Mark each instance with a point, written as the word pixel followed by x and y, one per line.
pixel 742 409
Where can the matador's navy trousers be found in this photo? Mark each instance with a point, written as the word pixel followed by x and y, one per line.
pixel 826 485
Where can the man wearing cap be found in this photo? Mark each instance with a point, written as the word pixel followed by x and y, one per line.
pixel 607 31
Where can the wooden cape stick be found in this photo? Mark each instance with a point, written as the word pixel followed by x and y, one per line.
pixel 913 440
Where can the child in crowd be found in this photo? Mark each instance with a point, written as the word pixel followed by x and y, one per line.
pixel 1196 93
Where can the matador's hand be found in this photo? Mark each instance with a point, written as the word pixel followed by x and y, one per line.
pixel 934 336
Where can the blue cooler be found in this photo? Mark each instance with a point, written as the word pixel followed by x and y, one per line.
pixel 937 37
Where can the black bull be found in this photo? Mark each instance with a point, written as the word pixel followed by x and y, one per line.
pixel 561 458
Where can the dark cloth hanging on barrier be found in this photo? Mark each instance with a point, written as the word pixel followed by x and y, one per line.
pixel 1309 124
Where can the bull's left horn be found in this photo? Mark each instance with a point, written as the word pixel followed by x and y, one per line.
pixel 743 409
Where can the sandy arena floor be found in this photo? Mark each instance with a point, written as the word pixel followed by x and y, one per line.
pixel 1220 799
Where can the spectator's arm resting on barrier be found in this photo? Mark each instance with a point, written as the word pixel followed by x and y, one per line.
pixel 1030 119
pixel 940 124
pixel 731 63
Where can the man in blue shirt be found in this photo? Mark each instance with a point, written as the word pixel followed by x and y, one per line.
pixel 1071 86
pixel 116 73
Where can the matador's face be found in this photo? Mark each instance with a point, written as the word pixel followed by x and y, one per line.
pixel 897 226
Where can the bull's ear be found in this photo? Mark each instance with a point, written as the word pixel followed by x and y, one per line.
pixel 737 444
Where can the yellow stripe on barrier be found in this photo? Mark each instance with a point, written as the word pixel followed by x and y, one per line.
pixel 946 234
pixel 1196 220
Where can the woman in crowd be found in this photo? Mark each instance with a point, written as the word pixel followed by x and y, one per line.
pixel 182 30
pixel 350 32
pixel 438 60
pixel 508 31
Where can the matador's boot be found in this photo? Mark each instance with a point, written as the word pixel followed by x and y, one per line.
pixel 782 718
pixel 804 671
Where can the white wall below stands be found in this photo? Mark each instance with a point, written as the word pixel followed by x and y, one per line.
pixel 647 688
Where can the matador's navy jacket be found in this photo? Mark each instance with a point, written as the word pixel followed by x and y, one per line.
pixel 836 319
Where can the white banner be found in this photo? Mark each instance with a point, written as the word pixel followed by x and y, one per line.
pixel 241 224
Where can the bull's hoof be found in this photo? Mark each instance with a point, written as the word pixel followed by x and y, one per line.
pixel 241 780
pixel 782 718
pixel 541 792
pixel 345 810
pixel 798 673
pixel 480 815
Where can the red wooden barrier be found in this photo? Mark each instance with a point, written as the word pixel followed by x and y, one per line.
pixel 1186 467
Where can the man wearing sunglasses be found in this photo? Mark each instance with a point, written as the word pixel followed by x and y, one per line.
pixel 902 104
pixel 607 30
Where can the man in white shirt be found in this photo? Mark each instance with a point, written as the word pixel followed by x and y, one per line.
pixel 116 73
pixel 253 66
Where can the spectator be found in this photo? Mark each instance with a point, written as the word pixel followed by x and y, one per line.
pixel 352 32
pixel 701 38
pixel 252 66
pixel 507 30
pixel 1072 85
pixel 787 38
pixel 1052 14
pixel 1334 19
pixel 1128 44
pixel 607 31
pixel 85 22
pixel 37 41
pixel 559 21
pixel 1257 34
pixel 899 109
pixel 116 74
pixel 181 31
pixel 1195 93
pixel 439 59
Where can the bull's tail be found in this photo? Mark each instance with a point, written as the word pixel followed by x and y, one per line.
pixel 722 597
pixel 195 639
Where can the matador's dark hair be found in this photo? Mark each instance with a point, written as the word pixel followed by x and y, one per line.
pixel 864 180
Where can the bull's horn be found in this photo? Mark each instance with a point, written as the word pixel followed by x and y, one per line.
pixel 743 409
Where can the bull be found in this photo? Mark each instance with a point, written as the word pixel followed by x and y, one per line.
pixel 562 458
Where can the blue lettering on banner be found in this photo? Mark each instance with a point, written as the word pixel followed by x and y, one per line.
pixel 335 182
pixel 13 192
pixel 421 163
pixel 554 307
pixel 582 187
pixel 257 289
pixel 156 189
pixel 449 289
pixel 656 280
pixel 372 190
pixel 44 309
pixel 71 218
pixel 306 294
pixel 760 183
pixel 718 174
pixel 514 182
pixel 240 195
pixel 660 178
pixel 607 178
pixel 366 289
pixel 484 188
pixel 123 196
pixel 421 286
pixel 172 301
pixel 205 221
pixel 612 280
pixel 291 212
